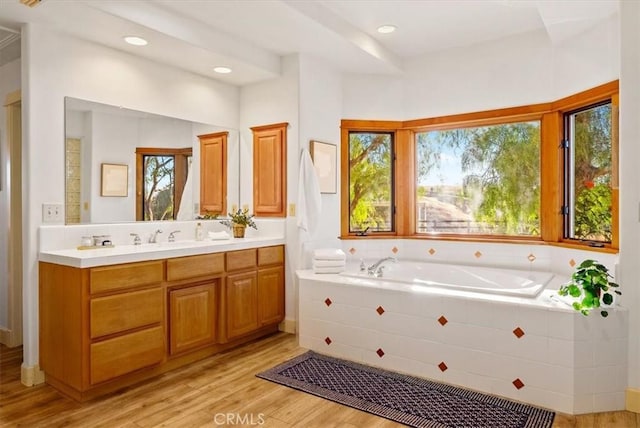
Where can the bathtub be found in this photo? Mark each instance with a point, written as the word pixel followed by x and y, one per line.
pixel 447 323
pixel 509 282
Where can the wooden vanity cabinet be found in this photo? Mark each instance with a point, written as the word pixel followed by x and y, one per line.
pixel 107 327
pixel 254 292
pixel 100 323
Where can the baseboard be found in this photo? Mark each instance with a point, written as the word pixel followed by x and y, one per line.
pixel 632 400
pixel 32 375
pixel 5 336
pixel 288 326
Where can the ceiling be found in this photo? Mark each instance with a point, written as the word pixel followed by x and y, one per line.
pixel 251 36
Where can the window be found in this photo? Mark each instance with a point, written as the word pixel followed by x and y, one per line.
pixel 370 182
pixel 588 173
pixel 480 180
pixel 160 179
pixel 494 175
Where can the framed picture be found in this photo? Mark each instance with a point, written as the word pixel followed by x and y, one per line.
pixel 115 180
pixel 324 157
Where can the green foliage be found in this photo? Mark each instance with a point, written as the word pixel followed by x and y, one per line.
pixel 241 217
pixel 370 180
pixel 593 213
pixel 590 282
pixel 592 174
pixel 158 195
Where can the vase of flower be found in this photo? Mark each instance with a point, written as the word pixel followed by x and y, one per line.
pixel 239 221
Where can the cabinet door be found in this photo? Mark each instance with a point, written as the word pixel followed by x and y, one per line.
pixel 270 295
pixel 192 317
pixel 270 170
pixel 242 304
pixel 213 172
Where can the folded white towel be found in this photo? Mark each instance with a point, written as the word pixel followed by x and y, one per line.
pixel 309 198
pixel 329 254
pixel 219 235
pixel 328 263
pixel 328 269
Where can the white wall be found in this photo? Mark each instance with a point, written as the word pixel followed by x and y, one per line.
pixel 630 180
pixel 57 66
pixel 9 82
pixel 274 101
pixel 320 115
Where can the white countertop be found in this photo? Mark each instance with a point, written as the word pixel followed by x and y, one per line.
pixel 162 250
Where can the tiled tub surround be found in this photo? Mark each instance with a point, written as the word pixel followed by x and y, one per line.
pixel 535 350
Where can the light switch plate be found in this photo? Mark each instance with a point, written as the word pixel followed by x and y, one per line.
pixel 52 213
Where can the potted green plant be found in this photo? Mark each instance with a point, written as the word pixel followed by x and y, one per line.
pixel 239 221
pixel 590 286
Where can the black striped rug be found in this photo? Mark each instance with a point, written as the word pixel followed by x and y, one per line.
pixel 409 400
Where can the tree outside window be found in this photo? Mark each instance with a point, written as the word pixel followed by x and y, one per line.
pixel 482 180
pixel 370 182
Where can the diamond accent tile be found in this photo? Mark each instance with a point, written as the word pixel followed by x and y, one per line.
pixel 518 383
pixel 442 320
pixel 327 340
pixel 478 254
pixel 518 332
pixel 328 301
pixel 352 250
pixel 572 263
pixel 380 310
pixel 531 257
pixel 380 352
pixel 442 366
pixel 432 251
pixel 394 250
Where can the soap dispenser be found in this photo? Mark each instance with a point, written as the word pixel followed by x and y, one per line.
pixel 199 232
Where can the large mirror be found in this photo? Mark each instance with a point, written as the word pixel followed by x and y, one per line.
pixel 124 165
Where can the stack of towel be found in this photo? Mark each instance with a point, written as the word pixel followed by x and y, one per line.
pixel 328 260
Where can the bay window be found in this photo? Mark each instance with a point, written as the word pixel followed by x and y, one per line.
pixel 544 172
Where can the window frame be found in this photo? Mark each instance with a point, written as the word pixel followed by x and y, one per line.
pixel 550 116
pixel 180 160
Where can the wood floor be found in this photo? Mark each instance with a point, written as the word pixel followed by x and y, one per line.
pixel 218 391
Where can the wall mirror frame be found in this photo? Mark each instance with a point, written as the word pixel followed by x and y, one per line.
pixel 97 134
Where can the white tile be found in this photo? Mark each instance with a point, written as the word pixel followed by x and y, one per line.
pixel 582 403
pixel 584 381
pixel 610 402
pixel 560 352
pixel 611 353
pixel 561 324
pixel 584 354
pixel 609 379
pixel 534 321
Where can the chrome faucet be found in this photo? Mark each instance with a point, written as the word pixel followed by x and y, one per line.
pixel 376 268
pixel 136 239
pixel 172 236
pixel 154 237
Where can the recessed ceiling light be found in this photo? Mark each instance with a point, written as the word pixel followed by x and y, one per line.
pixel 135 40
pixel 386 29
pixel 222 70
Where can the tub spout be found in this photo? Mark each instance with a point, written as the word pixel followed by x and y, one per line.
pixel 376 268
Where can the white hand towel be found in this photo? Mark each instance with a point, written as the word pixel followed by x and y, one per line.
pixel 219 235
pixel 328 263
pixel 309 200
pixel 328 270
pixel 329 254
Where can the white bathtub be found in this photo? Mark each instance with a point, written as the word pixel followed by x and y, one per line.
pixel 480 279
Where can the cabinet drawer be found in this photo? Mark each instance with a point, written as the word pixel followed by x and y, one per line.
pixel 194 266
pixel 119 277
pixel 270 255
pixel 124 354
pixel 120 312
pixel 243 259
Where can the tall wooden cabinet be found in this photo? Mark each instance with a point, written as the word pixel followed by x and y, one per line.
pixel 270 170
pixel 213 172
